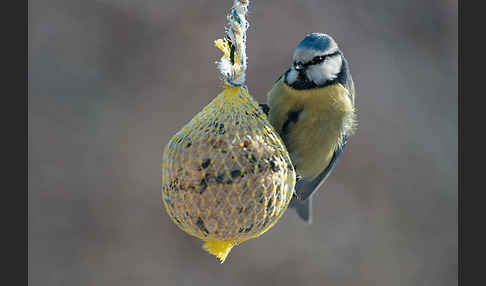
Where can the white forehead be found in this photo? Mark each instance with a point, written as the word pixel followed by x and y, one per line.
pixel 305 54
pixel 314 45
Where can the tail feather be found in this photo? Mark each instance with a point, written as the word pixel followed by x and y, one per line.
pixel 303 208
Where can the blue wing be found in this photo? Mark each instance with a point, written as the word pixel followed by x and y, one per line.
pixel 304 189
pixel 303 209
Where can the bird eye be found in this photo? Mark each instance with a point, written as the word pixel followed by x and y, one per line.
pixel 318 59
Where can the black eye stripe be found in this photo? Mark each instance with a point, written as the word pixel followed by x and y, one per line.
pixel 320 59
pixel 317 60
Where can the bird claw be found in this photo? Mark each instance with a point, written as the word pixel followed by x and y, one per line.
pixel 297 197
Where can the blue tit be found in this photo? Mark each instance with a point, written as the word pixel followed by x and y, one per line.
pixel 311 106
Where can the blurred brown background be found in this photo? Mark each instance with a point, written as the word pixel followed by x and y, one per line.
pixel 110 81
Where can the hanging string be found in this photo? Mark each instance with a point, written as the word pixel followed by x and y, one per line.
pixel 232 65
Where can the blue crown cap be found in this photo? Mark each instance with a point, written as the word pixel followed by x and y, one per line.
pixel 316 41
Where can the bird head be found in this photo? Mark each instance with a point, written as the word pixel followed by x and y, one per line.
pixel 317 62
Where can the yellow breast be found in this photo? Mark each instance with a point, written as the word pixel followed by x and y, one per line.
pixel 325 114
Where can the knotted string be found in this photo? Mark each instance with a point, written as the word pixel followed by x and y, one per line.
pixel 233 62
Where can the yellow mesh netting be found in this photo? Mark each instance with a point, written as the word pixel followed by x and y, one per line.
pixel 226 175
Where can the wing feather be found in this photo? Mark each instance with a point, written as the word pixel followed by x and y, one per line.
pixel 304 188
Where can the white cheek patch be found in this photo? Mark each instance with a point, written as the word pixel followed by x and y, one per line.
pixel 327 70
pixel 292 76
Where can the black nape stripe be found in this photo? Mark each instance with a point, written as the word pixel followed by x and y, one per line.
pixel 344 76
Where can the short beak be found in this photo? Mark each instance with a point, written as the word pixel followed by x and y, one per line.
pixel 298 66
